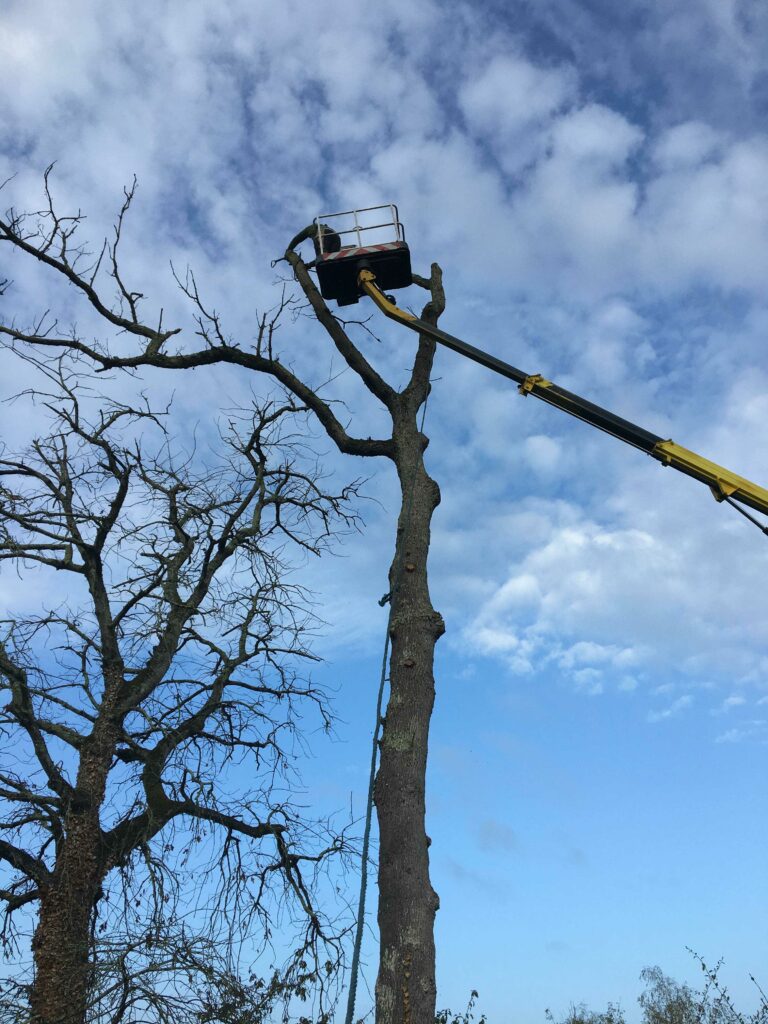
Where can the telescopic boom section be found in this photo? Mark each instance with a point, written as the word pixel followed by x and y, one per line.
pixel 725 485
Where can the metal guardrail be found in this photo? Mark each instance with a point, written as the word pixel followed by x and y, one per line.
pixel 357 228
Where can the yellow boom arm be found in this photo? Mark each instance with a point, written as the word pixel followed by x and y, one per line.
pixel 725 485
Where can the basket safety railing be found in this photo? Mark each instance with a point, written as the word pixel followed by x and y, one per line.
pixel 357 228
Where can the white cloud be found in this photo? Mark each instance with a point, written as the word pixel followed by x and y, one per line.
pixel 628 684
pixel 729 703
pixel 589 681
pixel 542 453
pixel 707 222
pixel 258 114
pixel 511 92
pixel 589 653
pixel 510 105
pixel 686 146
pixel 595 138
pixel 611 602
pixel 754 730
pixel 672 710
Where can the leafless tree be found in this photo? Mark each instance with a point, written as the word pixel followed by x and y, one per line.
pixel 405 989
pixel 152 709
pixel 176 976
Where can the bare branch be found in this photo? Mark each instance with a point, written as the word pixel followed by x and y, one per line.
pixel 22 710
pixel 31 867
pixel 50 242
pixel 418 386
pixel 352 355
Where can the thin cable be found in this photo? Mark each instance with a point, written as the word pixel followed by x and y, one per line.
pixel 374 758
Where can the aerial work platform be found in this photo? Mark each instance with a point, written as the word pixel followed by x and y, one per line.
pixel 371 238
pixel 373 265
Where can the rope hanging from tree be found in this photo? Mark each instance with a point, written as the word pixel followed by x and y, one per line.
pixel 355 967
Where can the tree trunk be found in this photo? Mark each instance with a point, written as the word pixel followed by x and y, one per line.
pixel 405 987
pixel 62 938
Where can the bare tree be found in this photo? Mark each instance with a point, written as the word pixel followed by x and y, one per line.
pixel 180 977
pixel 185 978
pixel 405 988
pixel 164 671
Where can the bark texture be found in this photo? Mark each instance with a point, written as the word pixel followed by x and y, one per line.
pixel 406 989
pixel 62 939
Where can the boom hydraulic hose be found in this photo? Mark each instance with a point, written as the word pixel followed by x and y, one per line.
pixel 725 485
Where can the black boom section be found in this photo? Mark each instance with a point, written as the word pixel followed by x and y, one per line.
pixel 724 484
pixel 550 393
pixel 598 417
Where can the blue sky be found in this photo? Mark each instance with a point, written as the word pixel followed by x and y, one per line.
pixel 593 178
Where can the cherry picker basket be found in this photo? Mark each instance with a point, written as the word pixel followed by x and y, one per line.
pixel 371 238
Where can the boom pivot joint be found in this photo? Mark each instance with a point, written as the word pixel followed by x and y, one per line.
pixel 535 380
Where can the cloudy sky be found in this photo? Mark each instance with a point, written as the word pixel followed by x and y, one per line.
pixel 593 179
